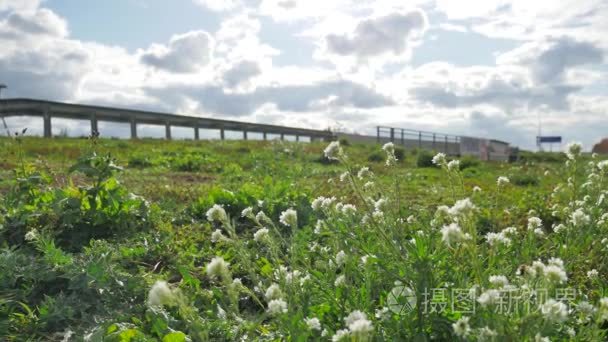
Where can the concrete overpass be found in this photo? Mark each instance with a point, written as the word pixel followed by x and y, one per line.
pixel 48 110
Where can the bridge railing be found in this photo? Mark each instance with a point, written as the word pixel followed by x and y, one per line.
pixel 48 110
pixel 409 138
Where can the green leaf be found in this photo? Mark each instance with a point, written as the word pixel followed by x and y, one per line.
pixel 176 336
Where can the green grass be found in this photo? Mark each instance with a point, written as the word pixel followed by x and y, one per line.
pixel 87 230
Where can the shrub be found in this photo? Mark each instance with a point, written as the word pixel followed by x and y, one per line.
pixel 243 150
pixel 344 142
pixel 139 161
pixel 425 159
pixel 376 157
pixel 400 153
pixel 325 161
pixel 525 180
pixel 188 163
pixel 539 157
pixel 468 161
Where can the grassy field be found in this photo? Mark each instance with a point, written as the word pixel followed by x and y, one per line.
pixel 148 240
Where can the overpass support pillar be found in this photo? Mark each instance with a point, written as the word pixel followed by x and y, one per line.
pixel 265 137
pixel 48 130
pixel 133 129
pixel 196 134
pixel 244 135
pixel 297 137
pixel 222 135
pixel 94 124
pixel 282 136
pixel 168 131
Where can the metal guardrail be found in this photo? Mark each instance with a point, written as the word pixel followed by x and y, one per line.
pixel 420 139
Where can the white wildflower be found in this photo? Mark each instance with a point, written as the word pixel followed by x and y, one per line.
pixel 217 236
pixel 509 231
pixel 452 234
pixel 579 218
pixel 554 311
pixel 539 232
pixel 349 209
pixel 318 227
pixel 499 280
pixel 261 217
pixel 389 148
pixel 486 334
pixel 541 338
pixel 593 274
pixel 538 267
pixel 261 235
pixel 555 274
pixel 603 308
pixel 439 159
pixel 454 165
pixel 497 238
pixel 333 151
pixel 380 204
pixel 313 323
pixel 476 189
pixel 574 150
pixel 571 332
pixel 534 222
pixel 161 294
pixel 360 329
pixel 556 261
pixel 489 297
pixel 354 316
pixel 217 214
pixel 364 172
pixel 378 215
pixel 502 180
pixel 340 258
pixel 273 292
pixel 289 218
pixel 585 308
pixel 461 207
pixel 558 228
pixel 461 327
pixel 341 335
pixel 31 235
pixel 221 313
pixel 217 267
pixel 344 176
pixel 277 306
pixel 340 280
pixel 247 212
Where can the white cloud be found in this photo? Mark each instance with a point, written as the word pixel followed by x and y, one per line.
pixel 549 60
pixel 185 53
pixel 219 5
pixel 295 98
pixel 241 72
pixel 529 20
pixel 377 36
pixel 19 5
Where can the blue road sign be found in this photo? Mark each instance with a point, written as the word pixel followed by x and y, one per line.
pixel 550 139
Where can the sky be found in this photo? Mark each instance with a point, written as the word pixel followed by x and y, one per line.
pixel 488 68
